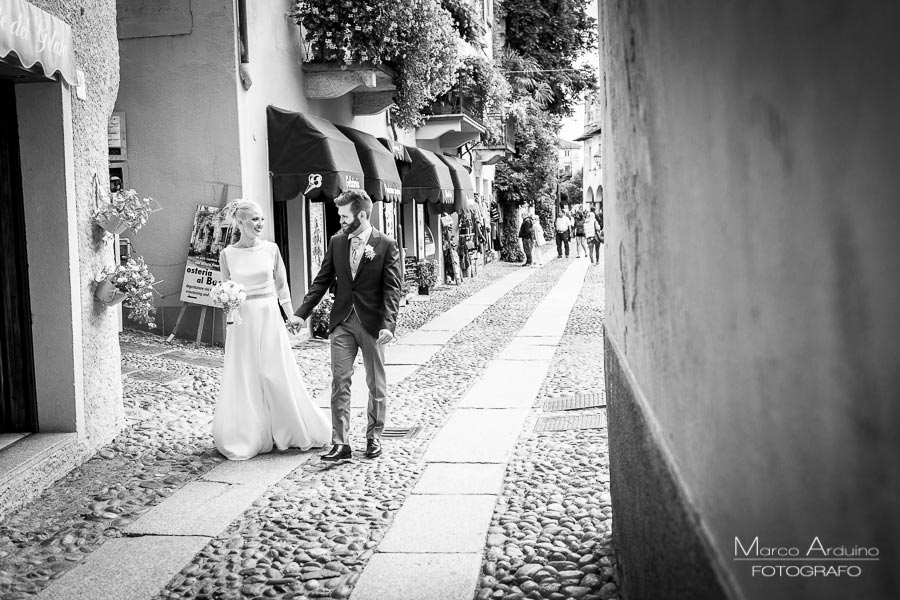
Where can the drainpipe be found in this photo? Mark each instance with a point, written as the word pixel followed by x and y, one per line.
pixel 243 38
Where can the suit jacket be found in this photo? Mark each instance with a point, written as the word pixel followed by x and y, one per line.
pixel 374 293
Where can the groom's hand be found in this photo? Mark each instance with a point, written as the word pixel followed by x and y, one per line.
pixel 294 323
pixel 384 336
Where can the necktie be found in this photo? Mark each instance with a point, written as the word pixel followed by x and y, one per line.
pixel 355 250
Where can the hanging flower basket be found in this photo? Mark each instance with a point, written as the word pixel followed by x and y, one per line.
pixel 131 283
pixel 108 293
pixel 111 223
pixel 121 210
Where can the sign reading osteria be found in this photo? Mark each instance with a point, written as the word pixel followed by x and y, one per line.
pixel 37 38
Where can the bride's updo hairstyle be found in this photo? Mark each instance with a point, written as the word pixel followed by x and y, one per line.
pixel 237 209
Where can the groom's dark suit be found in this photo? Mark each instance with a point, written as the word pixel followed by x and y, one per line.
pixel 363 306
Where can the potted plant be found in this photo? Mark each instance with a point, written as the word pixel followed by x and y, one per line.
pixel 426 276
pixel 318 321
pixel 131 283
pixel 404 291
pixel 122 210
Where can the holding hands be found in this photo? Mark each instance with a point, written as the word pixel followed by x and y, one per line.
pixel 294 324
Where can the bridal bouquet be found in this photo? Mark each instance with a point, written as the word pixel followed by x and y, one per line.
pixel 229 295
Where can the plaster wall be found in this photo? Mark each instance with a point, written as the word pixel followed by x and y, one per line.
pixel 181 112
pixel 96 54
pixel 751 289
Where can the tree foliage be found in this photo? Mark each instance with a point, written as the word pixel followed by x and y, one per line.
pixel 554 33
pixel 572 189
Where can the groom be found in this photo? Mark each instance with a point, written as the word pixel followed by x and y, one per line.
pixel 365 264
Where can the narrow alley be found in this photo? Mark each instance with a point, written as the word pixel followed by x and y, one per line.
pixel 493 484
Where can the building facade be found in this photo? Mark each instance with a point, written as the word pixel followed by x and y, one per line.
pixel 56 101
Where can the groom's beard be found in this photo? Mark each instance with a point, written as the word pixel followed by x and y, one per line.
pixel 348 229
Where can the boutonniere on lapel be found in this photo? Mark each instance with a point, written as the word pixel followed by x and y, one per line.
pixel 369 252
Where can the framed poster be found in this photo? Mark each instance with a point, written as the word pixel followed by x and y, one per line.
pixel 115 137
pixel 210 233
pixel 390 226
pixel 315 234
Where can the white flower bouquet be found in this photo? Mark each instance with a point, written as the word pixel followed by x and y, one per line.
pixel 229 295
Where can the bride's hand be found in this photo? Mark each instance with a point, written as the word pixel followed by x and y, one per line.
pixel 294 323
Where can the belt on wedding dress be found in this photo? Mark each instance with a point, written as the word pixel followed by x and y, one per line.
pixel 260 296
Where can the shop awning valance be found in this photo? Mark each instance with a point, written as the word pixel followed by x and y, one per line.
pixel 38 39
pixel 428 179
pixel 463 191
pixel 379 169
pixel 309 156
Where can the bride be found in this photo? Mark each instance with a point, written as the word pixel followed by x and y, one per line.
pixel 262 400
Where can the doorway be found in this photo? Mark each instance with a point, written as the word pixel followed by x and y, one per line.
pixel 18 412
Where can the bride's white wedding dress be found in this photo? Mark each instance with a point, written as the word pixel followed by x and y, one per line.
pixel 262 400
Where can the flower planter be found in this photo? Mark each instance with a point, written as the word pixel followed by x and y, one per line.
pixel 424 290
pixel 108 294
pixel 114 224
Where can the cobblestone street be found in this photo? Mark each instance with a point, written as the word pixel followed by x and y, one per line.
pixel 158 513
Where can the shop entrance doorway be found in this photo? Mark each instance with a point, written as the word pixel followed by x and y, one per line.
pixel 17 397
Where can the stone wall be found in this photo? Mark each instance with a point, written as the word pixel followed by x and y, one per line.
pixel 93 25
pixel 753 364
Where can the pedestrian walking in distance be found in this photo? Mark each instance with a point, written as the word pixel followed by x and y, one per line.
pixel 539 241
pixel 365 265
pixel 592 233
pixel 563 226
pixel 526 234
pixel 262 400
pixel 580 239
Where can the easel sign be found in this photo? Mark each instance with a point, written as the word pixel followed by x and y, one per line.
pixel 212 231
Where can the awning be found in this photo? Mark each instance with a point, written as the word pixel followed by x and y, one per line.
pixel 589 133
pixel 399 150
pixel 428 179
pixel 36 38
pixel 379 169
pixel 463 192
pixel 309 156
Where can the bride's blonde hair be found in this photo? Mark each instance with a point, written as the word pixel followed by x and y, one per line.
pixel 237 209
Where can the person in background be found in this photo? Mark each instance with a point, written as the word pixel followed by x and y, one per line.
pixel 563 226
pixel 592 234
pixel 526 234
pixel 539 241
pixel 580 240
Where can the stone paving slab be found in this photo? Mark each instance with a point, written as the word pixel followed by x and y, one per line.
pixel 532 340
pixel 520 352
pixel 199 508
pixel 127 569
pixel 409 355
pixel 454 319
pixel 451 478
pixel 507 384
pixel 262 470
pixel 440 523
pixel 477 436
pixel 489 295
pixel 437 577
pixel 426 338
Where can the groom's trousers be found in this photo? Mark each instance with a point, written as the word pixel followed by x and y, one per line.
pixel 347 338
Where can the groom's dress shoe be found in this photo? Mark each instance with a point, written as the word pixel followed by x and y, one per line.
pixel 338 452
pixel 373 448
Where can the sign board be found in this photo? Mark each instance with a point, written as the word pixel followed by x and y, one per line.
pixel 409 269
pixel 211 232
pixel 153 18
pixel 115 137
pixel 315 234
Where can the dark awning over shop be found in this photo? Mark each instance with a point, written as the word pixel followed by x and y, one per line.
pixel 463 192
pixel 382 178
pixel 309 156
pixel 428 179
